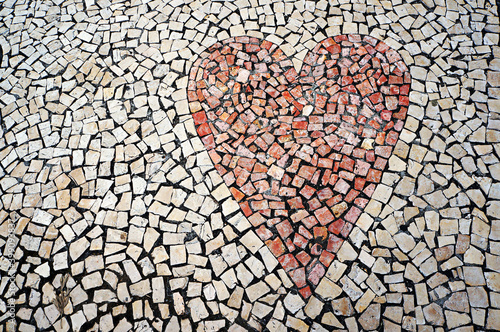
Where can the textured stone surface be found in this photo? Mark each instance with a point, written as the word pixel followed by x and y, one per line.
pixel 118 212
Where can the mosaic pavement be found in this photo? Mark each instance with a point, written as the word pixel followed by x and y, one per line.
pixel 249 165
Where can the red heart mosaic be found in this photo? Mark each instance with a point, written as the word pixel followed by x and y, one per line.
pixel 301 153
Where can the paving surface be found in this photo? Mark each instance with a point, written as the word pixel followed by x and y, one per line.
pixel 249 165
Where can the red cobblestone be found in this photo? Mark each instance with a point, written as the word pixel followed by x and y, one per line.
pixel 306 178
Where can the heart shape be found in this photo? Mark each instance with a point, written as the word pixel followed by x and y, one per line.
pixel 302 153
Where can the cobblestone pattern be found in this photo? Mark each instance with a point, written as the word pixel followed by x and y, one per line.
pixel 124 217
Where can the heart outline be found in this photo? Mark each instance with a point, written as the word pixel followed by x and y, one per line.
pixel 255 61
